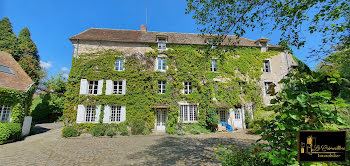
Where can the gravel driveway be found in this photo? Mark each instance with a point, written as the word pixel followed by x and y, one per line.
pixel 49 148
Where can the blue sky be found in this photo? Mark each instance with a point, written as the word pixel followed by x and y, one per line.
pixel 51 23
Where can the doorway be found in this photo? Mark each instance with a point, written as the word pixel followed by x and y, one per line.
pixel 238 119
pixel 161 117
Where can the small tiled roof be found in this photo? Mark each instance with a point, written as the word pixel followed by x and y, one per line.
pixel 138 36
pixel 16 79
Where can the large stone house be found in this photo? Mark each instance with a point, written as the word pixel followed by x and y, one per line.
pixel 141 41
pixel 14 87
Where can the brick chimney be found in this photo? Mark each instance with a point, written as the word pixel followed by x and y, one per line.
pixel 143 28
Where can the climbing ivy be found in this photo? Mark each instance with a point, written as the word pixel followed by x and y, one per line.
pixel 184 63
pixel 19 102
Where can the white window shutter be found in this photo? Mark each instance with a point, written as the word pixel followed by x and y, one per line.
pixel 124 87
pixel 83 87
pixel 109 87
pixel 123 114
pixel 81 114
pixel 100 86
pixel 97 116
pixel 107 114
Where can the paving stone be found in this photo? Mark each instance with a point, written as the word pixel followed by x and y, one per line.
pixel 49 148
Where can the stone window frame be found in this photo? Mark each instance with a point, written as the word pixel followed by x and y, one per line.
pixel 162 43
pixel 267 68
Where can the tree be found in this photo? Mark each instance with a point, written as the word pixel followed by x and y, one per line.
pixel 48 107
pixel 8 40
pixel 26 45
pixel 293 18
pixel 22 49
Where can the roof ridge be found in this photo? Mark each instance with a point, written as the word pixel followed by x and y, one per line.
pixel 160 32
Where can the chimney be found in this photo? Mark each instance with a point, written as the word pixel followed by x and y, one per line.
pixel 263 43
pixel 143 28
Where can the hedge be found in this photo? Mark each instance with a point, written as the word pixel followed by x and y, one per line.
pixel 10 131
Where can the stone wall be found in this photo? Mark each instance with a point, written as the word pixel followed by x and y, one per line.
pixel 280 64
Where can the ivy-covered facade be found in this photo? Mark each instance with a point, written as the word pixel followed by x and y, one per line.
pixel 164 79
pixel 16 90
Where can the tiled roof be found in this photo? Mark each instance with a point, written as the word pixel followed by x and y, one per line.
pixel 16 79
pixel 137 36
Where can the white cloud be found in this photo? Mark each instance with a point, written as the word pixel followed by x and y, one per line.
pixel 45 65
pixel 65 75
pixel 64 69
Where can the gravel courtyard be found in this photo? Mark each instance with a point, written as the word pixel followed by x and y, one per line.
pixel 49 148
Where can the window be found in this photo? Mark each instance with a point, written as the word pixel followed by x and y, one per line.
pixel 213 66
pixel 161 87
pixel 222 115
pixel 6 69
pixel 188 87
pixel 161 64
pixel 267 67
pixel 5 112
pixel 90 114
pixel 116 113
pixel 237 114
pixel 189 113
pixel 93 86
pixel 162 44
pixel 119 66
pixel 267 86
pixel 118 87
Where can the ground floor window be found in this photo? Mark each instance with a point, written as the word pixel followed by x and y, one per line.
pixel 189 113
pixel 115 113
pixel 5 112
pixel 222 115
pixel 90 114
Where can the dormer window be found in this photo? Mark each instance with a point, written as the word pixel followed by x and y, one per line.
pixel 162 43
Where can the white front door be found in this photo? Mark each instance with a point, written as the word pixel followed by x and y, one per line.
pixel 238 119
pixel 161 119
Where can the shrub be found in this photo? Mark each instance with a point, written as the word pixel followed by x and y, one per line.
pixel 170 130
pixel 10 131
pixel 239 157
pixel 98 130
pixel 181 132
pixel 261 118
pixel 212 119
pixel 137 127
pixel 123 129
pixel 111 132
pixel 85 127
pixel 195 131
pixel 146 132
pixel 70 131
